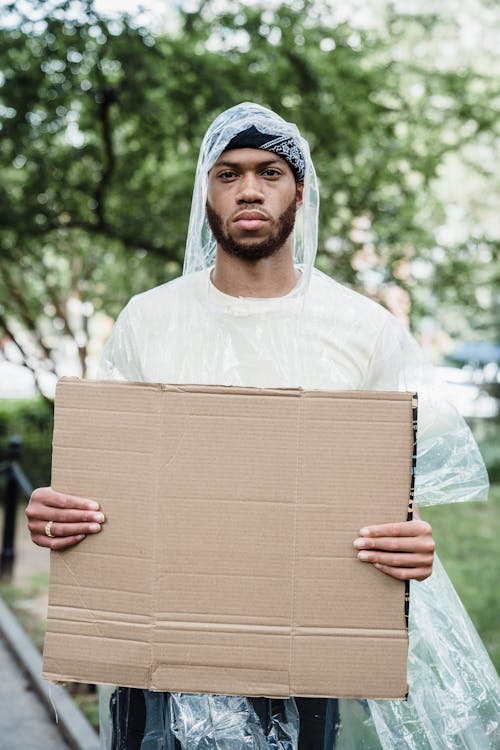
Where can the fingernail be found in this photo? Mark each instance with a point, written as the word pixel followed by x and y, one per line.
pixel 94 527
pixel 99 517
pixel 364 532
pixel 358 543
pixel 93 505
pixel 363 555
pixel 80 537
pixel 378 566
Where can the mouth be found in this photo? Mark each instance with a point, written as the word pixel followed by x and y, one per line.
pixel 250 220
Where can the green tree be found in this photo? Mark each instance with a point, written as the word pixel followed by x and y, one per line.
pixel 101 122
pixel 83 160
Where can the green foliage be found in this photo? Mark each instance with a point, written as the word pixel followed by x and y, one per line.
pixel 32 420
pixel 100 128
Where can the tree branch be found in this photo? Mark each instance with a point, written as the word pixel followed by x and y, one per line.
pixel 25 312
pixel 106 97
pixel 162 251
pixel 25 359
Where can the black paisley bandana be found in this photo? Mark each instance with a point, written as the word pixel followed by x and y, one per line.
pixel 283 146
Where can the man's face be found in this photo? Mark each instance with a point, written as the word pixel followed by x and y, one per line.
pixel 252 200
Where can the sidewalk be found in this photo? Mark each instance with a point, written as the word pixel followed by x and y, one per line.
pixel 27 716
pixel 24 721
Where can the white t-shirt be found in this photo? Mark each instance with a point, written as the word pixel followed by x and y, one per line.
pixel 187 331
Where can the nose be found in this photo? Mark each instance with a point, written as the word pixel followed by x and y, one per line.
pixel 249 189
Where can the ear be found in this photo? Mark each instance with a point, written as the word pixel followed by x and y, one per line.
pixel 299 192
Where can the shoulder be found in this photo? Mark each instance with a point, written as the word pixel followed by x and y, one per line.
pixel 347 305
pixel 167 299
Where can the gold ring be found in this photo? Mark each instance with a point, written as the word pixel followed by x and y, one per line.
pixel 48 528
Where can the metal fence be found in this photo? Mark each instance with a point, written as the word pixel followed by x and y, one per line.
pixel 16 483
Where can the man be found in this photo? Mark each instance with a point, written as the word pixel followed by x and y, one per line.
pixel 250 310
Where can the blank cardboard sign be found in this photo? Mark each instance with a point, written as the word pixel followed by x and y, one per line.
pixel 226 563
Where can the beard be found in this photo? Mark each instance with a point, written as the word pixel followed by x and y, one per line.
pixel 251 252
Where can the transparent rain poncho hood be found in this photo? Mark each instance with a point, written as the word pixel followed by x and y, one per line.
pixel 200 246
pixel 320 335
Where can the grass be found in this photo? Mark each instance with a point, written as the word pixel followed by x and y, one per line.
pixel 20 600
pixel 467 537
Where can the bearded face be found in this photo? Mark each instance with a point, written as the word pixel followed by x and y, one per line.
pixel 248 248
pixel 251 204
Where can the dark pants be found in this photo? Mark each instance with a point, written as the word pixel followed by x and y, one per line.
pixel 319 720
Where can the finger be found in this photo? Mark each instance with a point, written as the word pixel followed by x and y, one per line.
pixel 57 543
pixel 396 543
pixel 71 515
pixel 396 560
pixel 48 496
pixel 65 529
pixel 405 574
pixel 403 528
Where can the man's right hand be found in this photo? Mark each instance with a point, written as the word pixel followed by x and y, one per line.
pixel 72 518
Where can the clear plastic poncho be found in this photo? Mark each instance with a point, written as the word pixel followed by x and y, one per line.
pixel 320 335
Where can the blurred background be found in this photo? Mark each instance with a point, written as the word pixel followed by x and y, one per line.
pixel 102 109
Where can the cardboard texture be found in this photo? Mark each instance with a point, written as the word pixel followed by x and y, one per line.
pixel 226 563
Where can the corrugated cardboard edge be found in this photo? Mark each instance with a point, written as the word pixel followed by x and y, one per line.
pixel 414 408
pixel 239 390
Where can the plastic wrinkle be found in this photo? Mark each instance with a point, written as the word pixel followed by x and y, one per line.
pixel 451 678
pixel 212 721
pixel 321 335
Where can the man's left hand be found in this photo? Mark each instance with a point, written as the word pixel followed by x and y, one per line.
pixel 402 550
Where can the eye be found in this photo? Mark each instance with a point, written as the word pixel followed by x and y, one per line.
pixel 271 172
pixel 226 175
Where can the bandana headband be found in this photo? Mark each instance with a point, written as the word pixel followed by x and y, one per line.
pixel 283 146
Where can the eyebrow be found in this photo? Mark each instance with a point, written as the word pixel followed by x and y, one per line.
pixel 236 164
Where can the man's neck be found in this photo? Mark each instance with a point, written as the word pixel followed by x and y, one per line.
pixel 275 276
